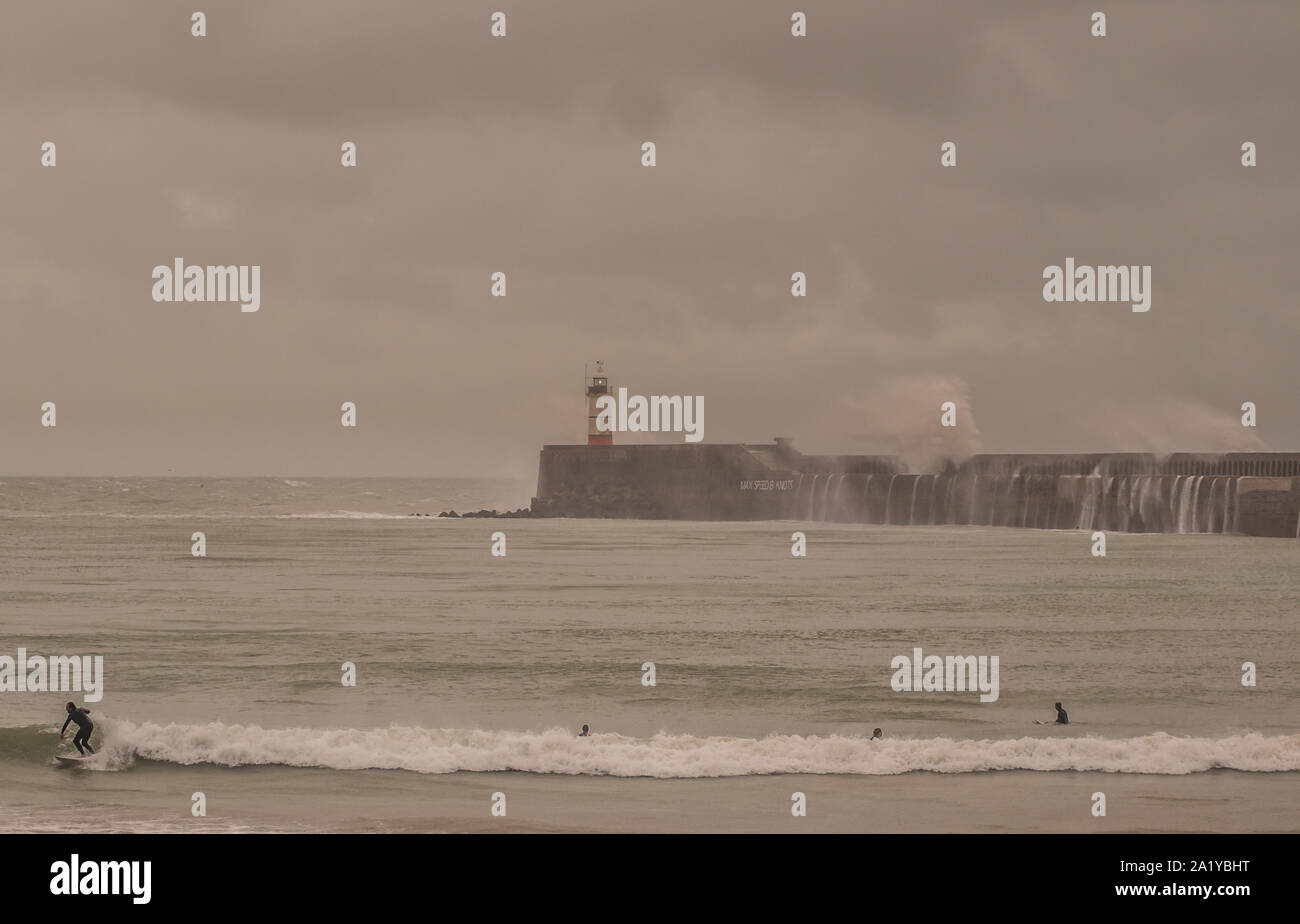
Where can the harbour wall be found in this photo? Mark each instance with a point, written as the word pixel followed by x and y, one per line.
pixel 1255 494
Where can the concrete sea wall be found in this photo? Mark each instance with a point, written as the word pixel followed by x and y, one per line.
pixel 1255 494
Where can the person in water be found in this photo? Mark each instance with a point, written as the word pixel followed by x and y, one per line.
pixel 1061 717
pixel 84 728
pixel 585 733
pixel 877 735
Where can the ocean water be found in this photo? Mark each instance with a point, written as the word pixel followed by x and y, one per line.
pixel 474 672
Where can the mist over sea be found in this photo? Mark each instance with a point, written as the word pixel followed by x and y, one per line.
pixel 475 672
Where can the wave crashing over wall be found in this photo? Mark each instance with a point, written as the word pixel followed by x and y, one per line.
pixel 1136 503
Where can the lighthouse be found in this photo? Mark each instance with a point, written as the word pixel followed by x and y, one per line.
pixel 597 386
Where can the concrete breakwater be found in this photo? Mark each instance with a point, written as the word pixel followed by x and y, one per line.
pixel 1254 494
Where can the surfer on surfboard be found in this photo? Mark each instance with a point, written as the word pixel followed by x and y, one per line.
pixel 84 728
pixel 1062 718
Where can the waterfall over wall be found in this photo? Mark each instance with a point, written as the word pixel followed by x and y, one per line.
pixel 1255 494
pixel 1121 503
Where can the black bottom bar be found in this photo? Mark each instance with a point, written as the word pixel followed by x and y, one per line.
pixel 209 874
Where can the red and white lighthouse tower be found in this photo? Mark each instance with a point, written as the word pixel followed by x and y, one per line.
pixel 597 386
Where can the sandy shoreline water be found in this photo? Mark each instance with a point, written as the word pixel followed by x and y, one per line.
pixel 766 667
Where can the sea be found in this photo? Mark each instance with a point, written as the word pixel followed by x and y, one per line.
pixel 729 685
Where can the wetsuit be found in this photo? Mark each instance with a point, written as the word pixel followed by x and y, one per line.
pixel 1061 717
pixel 84 728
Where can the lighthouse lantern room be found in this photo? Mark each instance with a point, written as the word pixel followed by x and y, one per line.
pixel 598 385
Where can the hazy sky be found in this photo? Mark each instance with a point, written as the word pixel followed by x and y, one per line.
pixel 775 154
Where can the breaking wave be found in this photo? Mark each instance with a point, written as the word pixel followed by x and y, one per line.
pixel 664 755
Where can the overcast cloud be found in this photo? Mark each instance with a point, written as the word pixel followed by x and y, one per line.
pixel 522 155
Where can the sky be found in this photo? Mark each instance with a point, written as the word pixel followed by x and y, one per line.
pixel 522 155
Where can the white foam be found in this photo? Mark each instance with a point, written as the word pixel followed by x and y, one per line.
pixel 425 750
pixel 342 515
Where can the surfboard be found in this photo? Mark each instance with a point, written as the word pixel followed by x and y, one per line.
pixel 68 760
